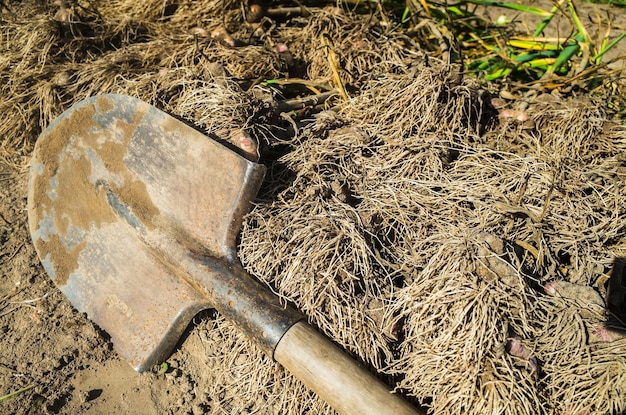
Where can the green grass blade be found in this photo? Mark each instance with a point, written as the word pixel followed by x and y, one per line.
pixel 481 66
pixel 579 26
pixel 16 393
pixel 566 54
pixel 532 45
pixel 542 63
pixel 598 56
pixel 456 11
pixel 405 14
pixel 512 6
pixel 527 57
pixel 499 73
pixel 548 18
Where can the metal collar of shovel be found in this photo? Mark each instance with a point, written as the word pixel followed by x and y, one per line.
pixel 134 216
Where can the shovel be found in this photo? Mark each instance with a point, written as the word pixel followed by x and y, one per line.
pixel 134 216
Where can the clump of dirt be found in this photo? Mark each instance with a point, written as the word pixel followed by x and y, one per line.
pixel 456 244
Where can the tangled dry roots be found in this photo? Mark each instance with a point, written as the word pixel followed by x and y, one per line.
pixel 422 246
pixel 429 239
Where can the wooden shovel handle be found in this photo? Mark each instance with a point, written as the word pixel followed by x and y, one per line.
pixel 335 377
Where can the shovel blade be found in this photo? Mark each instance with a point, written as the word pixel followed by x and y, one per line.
pixel 113 183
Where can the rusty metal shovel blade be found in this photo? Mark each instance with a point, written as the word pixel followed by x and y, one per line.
pixel 134 216
pixel 130 210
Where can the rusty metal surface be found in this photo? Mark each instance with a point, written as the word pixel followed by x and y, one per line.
pixel 134 216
